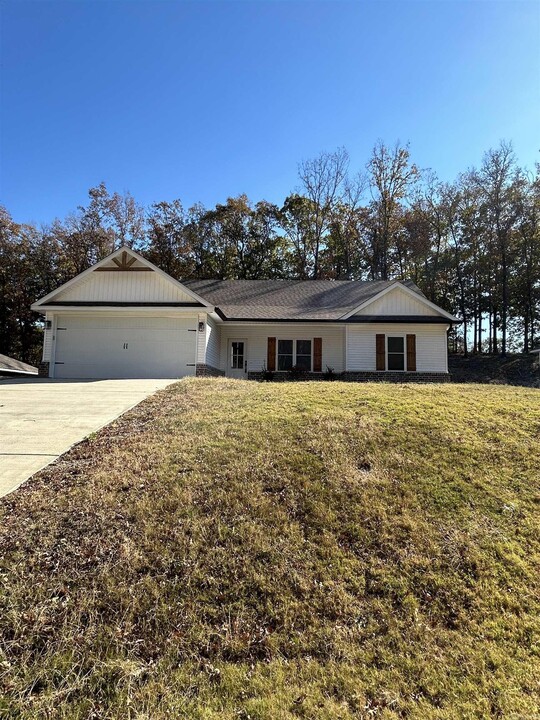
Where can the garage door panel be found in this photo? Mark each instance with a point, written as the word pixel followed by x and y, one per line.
pixel 130 347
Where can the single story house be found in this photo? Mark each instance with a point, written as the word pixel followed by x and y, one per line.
pixel 126 318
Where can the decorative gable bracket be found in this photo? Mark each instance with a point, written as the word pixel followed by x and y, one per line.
pixel 126 263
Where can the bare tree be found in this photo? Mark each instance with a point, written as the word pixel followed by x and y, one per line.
pixel 500 181
pixel 295 220
pixel 345 252
pixel 526 276
pixel 120 216
pixel 168 243
pixel 323 180
pixel 391 176
pixel 126 218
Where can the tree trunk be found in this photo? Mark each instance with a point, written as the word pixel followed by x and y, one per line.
pixel 479 332
pixel 504 309
pixel 479 309
pixel 475 312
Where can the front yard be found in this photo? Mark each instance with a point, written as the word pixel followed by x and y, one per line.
pixel 238 550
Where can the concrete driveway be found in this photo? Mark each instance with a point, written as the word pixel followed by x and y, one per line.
pixel 40 419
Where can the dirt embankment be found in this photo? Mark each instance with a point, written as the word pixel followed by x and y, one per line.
pixel 510 370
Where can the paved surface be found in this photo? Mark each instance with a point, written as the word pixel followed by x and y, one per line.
pixel 40 419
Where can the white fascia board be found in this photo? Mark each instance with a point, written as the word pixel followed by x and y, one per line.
pixel 42 301
pixel 408 291
pixel 119 309
pixel 292 323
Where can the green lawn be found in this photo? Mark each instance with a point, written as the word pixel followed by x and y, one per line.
pixel 323 551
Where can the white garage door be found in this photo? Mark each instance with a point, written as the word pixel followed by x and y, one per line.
pixel 124 347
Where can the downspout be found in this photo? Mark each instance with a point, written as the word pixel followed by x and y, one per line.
pixel 447 343
pixel 52 361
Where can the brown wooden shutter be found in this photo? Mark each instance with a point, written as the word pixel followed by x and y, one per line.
pixel 317 354
pixel 411 353
pixel 271 354
pixel 381 353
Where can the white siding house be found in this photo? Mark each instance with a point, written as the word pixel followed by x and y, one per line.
pixel 124 317
pixel 256 338
pixel 431 346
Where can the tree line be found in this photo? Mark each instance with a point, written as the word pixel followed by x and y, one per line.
pixel 472 246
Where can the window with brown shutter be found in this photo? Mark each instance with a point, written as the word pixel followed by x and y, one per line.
pixel 411 353
pixel 381 352
pixel 317 354
pixel 271 354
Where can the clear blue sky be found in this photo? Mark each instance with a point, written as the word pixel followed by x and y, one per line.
pixel 206 100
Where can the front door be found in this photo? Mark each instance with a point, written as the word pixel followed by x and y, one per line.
pixel 237 359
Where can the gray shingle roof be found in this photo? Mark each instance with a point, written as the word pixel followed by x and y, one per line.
pixel 10 365
pixel 288 299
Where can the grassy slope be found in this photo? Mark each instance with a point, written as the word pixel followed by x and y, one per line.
pixel 239 550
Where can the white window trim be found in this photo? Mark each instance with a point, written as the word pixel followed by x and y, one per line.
pixel 294 341
pixel 395 335
pixel 229 353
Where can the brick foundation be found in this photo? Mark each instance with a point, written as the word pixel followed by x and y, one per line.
pixel 396 377
pixel 202 370
pixel 43 369
pixel 366 376
pixel 285 376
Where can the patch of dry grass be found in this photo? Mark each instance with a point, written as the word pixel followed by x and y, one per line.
pixel 240 550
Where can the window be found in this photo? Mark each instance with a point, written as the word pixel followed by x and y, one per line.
pixel 237 355
pixel 396 353
pixel 294 353
pixel 303 354
pixel 285 355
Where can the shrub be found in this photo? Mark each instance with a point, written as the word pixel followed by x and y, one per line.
pixel 267 375
pixel 295 373
pixel 330 373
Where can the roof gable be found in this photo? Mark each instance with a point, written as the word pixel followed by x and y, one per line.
pixel 124 276
pixel 398 299
pixel 396 302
